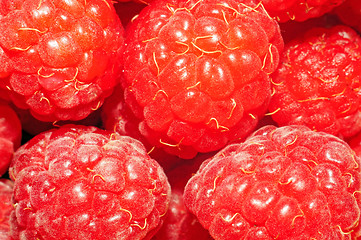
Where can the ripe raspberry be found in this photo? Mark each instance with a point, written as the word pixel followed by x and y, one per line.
pixel 10 135
pixel 6 191
pixel 196 72
pixel 281 183
pixel 59 59
pixel 298 10
pixel 79 182
pixel 350 13
pixel 318 83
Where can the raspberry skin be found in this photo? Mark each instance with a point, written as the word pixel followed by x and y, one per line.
pixel 59 59
pixel 298 10
pixel 281 183
pixel 196 72
pixel 6 191
pixel 116 116
pixel 10 135
pixel 318 82
pixel 81 182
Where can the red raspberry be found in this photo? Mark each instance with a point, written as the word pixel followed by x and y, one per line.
pixel 6 191
pixel 318 83
pixel 79 182
pixel 10 135
pixel 281 183
pixel 59 59
pixel 350 13
pixel 299 10
pixel 196 72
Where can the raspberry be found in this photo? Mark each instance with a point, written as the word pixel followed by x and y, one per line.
pixel 318 82
pixel 281 183
pixel 298 10
pixel 79 182
pixel 59 59
pixel 6 191
pixel 10 135
pixel 195 72
pixel 350 13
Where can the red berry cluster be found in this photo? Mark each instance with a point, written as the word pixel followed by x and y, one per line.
pixel 180 119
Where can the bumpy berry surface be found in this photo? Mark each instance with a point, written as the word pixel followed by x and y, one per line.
pixel 6 191
pixel 10 135
pixel 196 72
pixel 299 10
pixel 350 13
pixel 80 182
pixel 281 183
pixel 318 82
pixel 59 58
pixel 116 116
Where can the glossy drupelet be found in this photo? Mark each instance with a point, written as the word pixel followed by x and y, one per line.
pixel 59 59
pixel 318 82
pixel 196 72
pixel 80 182
pixel 281 183
pixel 299 10
pixel 10 135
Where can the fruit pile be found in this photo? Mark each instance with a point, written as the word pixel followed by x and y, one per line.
pixel 180 119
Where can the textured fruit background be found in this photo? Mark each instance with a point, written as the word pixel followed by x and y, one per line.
pixel 180 119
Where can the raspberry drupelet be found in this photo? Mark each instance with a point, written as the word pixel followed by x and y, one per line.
pixel 80 182
pixel 10 135
pixel 196 72
pixel 299 10
pixel 281 183
pixel 59 59
pixel 318 82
